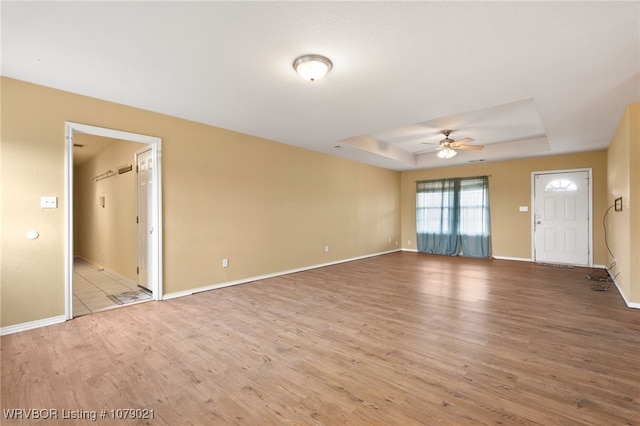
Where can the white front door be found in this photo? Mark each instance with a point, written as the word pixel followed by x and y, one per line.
pixel 144 162
pixel 561 217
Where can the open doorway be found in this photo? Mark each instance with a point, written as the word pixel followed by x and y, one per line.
pixel 106 247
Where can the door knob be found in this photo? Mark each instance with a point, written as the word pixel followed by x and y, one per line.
pixel 538 223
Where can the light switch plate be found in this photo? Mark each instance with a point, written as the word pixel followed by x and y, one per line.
pixel 49 202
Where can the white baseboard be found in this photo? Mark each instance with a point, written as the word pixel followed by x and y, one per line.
pixel 517 259
pixel 266 276
pixel 31 325
pixel 629 304
pixel 177 294
pixel 88 262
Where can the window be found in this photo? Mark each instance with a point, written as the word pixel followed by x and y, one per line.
pixel 559 185
pixel 452 217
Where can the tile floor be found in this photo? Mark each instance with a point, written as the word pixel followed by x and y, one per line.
pixel 91 288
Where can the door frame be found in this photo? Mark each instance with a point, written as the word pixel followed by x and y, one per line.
pixel 156 256
pixel 589 202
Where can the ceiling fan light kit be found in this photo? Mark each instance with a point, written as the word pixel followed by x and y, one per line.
pixel 448 147
pixel 312 67
pixel 447 152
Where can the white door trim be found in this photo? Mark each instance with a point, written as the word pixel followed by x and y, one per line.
pixel 590 218
pixel 156 256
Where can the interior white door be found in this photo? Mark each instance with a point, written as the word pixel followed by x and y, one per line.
pixel 561 217
pixel 144 162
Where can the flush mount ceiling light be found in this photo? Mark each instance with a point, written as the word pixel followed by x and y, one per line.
pixel 312 67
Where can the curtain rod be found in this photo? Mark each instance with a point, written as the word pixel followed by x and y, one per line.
pixel 464 177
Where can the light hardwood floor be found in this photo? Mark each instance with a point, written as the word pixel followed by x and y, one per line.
pixel 399 339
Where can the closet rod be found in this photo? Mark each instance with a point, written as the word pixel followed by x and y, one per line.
pixel 104 175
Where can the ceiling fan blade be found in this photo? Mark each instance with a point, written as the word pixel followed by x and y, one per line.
pixel 424 151
pixel 463 141
pixel 471 147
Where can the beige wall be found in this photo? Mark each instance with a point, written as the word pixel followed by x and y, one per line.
pixel 266 206
pixel 106 236
pixel 509 188
pixel 623 228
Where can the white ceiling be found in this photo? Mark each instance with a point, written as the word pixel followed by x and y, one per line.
pixel 521 78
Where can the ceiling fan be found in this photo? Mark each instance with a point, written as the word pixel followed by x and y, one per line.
pixel 449 146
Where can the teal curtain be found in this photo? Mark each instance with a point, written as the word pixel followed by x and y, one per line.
pixel 452 217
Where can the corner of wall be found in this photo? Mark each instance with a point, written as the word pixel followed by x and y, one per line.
pixel 623 181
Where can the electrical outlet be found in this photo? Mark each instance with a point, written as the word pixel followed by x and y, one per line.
pixel 326 248
pixel 225 263
pixel 618 204
pixel 49 202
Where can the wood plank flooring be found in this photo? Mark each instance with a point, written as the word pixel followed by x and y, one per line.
pixel 399 339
